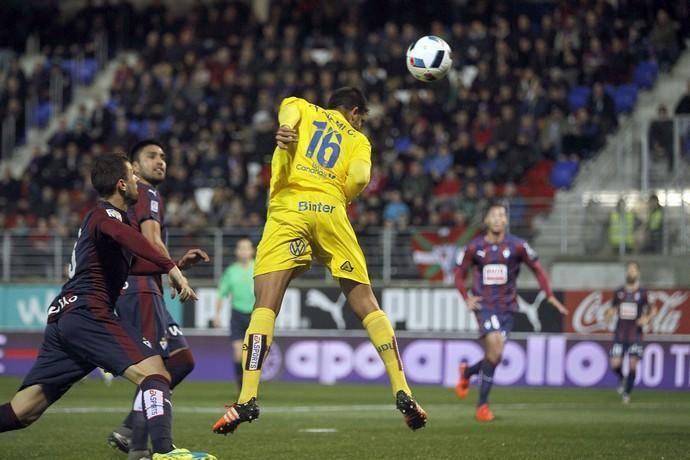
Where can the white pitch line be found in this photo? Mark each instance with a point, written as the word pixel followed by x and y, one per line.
pixel 364 408
pixel 318 430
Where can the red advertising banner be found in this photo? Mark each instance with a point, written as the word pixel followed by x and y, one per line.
pixel 588 311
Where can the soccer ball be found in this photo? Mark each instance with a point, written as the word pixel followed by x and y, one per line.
pixel 428 58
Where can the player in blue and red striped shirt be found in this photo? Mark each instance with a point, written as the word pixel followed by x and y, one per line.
pixel 495 260
pixel 83 331
pixel 630 306
pixel 141 301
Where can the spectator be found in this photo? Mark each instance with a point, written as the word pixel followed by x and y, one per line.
pixel 517 210
pixel 664 39
pixel 623 223
pixel 396 213
pixel 417 182
pixel 602 108
pixel 654 227
pixel 661 143
pixel 594 220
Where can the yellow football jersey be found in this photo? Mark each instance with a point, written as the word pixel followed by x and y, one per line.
pixel 320 159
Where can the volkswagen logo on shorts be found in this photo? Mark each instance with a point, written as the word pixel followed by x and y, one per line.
pixel 297 247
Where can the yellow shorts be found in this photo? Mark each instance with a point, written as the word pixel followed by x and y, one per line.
pixel 302 226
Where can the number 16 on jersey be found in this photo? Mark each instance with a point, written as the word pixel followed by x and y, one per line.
pixel 328 149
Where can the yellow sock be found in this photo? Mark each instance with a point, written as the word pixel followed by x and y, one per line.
pixel 382 336
pixel 257 342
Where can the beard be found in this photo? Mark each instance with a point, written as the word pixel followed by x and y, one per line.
pixel 155 181
pixel 631 279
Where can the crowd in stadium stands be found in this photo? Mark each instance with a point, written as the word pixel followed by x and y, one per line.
pixel 532 96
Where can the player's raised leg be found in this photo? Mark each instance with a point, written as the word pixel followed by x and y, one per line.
pixel 270 289
pixel 363 302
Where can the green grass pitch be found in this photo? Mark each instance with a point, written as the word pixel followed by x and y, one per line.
pixel 305 421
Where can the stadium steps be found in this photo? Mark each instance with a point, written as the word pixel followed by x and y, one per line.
pixel 83 95
pixel 615 169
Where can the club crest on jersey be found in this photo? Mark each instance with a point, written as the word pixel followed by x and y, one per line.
pixel 506 253
pixel 154 206
pixel 115 214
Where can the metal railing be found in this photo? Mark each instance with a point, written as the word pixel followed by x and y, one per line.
pixel 665 153
pixel 585 227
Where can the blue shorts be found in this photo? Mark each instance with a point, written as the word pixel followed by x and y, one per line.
pixel 239 322
pixel 147 313
pixel 80 341
pixel 494 321
pixel 619 349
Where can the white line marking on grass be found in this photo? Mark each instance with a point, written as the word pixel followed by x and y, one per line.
pixel 370 408
pixel 318 430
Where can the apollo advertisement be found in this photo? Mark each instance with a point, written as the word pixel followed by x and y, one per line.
pixel 588 311
pixel 533 361
pixel 433 309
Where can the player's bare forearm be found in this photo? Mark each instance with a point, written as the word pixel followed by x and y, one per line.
pixel 152 232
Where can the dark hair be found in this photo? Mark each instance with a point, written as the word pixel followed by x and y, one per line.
pixel 106 171
pixel 138 147
pixel 349 98
pixel 494 203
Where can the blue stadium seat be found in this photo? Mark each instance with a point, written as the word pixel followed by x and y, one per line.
pixel 87 70
pixel 563 174
pixel 165 125
pixel 646 73
pixel 42 114
pixel 625 97
pixel 578 97
pixel 134 127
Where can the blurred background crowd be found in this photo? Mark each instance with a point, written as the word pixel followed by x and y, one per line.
pixel 535 90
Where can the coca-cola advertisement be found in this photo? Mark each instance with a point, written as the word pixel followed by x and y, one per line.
pixel 588 311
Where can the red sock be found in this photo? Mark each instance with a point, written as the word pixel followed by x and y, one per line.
pixel 179 365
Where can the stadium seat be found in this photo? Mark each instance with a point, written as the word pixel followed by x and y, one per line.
pixel 624 97
pixel 42 114
pixel 578 97
pixel 645 74
pixel 563 174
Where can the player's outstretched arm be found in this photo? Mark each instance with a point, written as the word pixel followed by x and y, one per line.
pixel 135 243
